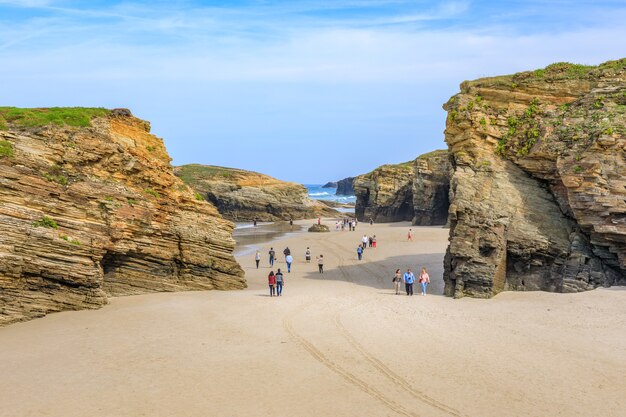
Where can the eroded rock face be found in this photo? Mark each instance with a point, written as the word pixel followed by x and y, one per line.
pixel 244 195
pixel 415 191
pixel 90 212
pixel 538 195
pixel 345 186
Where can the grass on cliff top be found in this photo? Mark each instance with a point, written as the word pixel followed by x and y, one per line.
pixel 556 71
pixel 432 154
pixel 194 172
pixel 61 116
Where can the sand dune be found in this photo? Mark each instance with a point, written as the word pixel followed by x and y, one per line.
pixel 337 344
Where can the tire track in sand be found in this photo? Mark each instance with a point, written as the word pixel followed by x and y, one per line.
pixel 345 374
pixel 391 375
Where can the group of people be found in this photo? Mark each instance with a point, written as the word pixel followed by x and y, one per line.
pixel 349 223
pixel 409 279
pixel 365 240
pixel 276 281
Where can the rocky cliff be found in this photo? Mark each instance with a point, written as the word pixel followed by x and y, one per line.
pixel 538 195
pixel 244 195
pixel 90 208
pixel 415 191
pixel 345 186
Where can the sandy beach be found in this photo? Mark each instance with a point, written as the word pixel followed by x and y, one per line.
pixel 335 344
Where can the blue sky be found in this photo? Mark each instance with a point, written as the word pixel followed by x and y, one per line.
pixel 307 91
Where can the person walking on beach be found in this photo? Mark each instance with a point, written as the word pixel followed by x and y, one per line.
pixel 257 258
pixel 320 263
pixel 424 280
pixel 254 222
pixel 374 241
pixel 364 241
pixel 289 260
pixel 271 281
pixel 397 279
pixel 409 279
pixel 359 252
pixel 370 240
pixel 286 252
pixel 272 254
pixel 371 221
pixel 307 255
pixel 279 283
pixel 409 236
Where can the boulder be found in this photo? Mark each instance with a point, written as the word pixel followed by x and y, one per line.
pixel 319 228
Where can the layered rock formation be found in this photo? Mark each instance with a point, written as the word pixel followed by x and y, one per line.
pixel 244 195
pixel 538 196
pixel 90 208
pixel 415 191
pixel 345 186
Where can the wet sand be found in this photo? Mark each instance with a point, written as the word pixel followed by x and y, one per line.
pixel 337 344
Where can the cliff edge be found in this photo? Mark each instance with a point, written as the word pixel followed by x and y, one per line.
pixel 241 195
pixel 538 195
pixel 90 208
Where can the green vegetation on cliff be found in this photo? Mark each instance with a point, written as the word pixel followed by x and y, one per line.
pixel 192 173
pixel 559 71
pixel 61 116
pixel 6 148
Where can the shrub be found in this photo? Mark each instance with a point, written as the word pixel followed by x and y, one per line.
pixel 59 179
pixel 198 196
pixel 46 221
pixel 6 148
pixel 152 192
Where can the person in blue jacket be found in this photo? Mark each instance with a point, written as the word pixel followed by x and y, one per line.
pixel 409 280
pixel 359 252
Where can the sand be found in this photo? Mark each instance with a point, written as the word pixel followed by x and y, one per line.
pixel 337 344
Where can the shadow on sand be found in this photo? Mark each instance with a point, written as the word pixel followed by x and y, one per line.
pixel 378 274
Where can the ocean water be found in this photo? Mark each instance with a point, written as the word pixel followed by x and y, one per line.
pixel 316 192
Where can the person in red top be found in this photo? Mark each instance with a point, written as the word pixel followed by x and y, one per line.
pixel 271 280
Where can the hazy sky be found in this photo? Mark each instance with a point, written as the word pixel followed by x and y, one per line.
pixel 307 91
